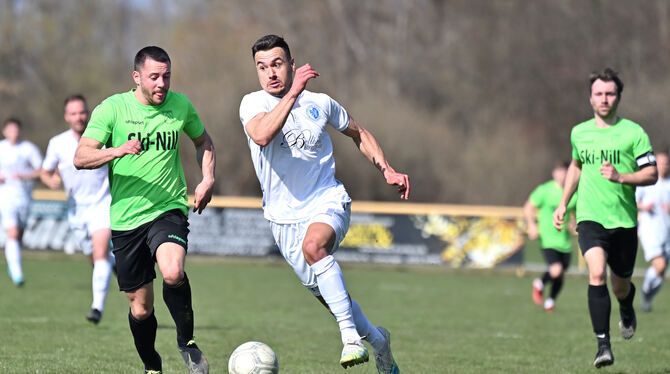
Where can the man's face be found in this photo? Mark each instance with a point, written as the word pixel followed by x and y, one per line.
pixel 11 132
pixel 275 73
pixel 153 81
pixel 604 98
pixel 76 115
pixel 662 164
pixel 559 174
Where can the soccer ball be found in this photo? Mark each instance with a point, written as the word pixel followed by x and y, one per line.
pixel 253 358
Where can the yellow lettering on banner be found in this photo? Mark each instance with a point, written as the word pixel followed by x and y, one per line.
pixel 375 236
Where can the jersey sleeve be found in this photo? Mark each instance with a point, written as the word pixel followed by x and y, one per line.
pixel 639 194
pixel 193 126
pixel 35 158
pixel 575 151
pixel 642 144
pixel 101 123
pixel 337 115
pixel 50 162
pixel 536 197
pixel 249 108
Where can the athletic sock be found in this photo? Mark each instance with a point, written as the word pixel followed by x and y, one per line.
pixel 556 285
pixel 13 256
pixel 333 290
pixel 366 329
pixel 100 280
pixel 652 282
pixel 599 308
pixel 626 305
pixel 144 335
pixel 177 297
pixel 546 278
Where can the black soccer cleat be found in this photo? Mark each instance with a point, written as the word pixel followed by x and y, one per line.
pixel 194 359
pixel 94 316
pixel 604 357
pixel 628 325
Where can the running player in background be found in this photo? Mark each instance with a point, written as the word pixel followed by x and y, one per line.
pixel 308 208
pixel 20 162
pixel 87 197
pixel 141 129
pixel 556 245
pixel 653 204
pixel 610 156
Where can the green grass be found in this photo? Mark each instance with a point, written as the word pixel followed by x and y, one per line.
pixel 442 321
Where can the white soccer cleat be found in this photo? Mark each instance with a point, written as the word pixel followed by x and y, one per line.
pixel 549 305
pixel 354 353
pixel 383 358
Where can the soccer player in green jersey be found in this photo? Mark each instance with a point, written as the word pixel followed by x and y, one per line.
pixel 556 245
pixel 610 157
pixel 140 130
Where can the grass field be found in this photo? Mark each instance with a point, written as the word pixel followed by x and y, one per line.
pixel 442 321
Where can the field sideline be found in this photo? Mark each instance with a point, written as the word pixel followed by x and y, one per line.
pixel 441 320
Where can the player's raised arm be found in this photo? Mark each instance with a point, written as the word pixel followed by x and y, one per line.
pixel 371 149
pixel 569 188
pixel 206 156
pixel 91 155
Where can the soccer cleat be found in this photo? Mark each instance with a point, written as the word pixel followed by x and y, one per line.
pixel 384 359
pixel 604 357
pixel 354 353
pixel 537 291
pixel 94 316
pixel 549 305
pixel 627 324
pixel 153 372
pixel 194 359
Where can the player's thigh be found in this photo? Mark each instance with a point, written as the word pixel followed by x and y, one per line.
pixel 100 242
pixel 622 251
pixel 289 239
pixel 336 217
pixel 168 241
pixel 14 218
pixel 134 259
pixel 651 247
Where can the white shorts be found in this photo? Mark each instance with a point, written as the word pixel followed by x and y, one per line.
pixel 289 238
pixel 654 248
pixel 14 214
pixel 85 220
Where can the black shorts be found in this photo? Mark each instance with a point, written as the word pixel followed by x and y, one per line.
pixel 620 244
pixel 552 256
pixel 135 250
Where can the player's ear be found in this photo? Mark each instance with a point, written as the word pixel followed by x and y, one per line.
pixel 136 77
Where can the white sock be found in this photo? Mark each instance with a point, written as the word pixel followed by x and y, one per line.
pixel 652 281
pixel 13 256
pixel 100 280
pixel 366 329
pixel 333 290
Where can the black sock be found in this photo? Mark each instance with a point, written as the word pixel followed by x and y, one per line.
pixel 599 308
pixel 556 285
pixel 626 306
pixel 178 300
pixel 546 277
pixel 144 334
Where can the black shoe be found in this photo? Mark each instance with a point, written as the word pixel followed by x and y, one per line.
pixel 194 359
pixel 604 357
pixel 628 324
pixel 94 316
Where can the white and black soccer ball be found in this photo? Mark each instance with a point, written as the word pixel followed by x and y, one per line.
pixel 253 358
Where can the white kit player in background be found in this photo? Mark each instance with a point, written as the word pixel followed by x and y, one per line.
pixel 308 208
pixel 653 204
pixel 19 166
pixel 87 196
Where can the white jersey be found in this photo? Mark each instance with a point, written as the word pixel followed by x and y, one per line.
pixel 83 187
pixel 18 159
pixel 654 227
pixel 296 170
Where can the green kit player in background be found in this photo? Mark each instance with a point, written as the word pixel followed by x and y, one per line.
pixel 556 245
pixel 610 157
pixel 140 131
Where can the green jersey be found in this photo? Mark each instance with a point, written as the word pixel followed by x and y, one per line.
pixel 608 203
pixel 146 185
pixel 546 198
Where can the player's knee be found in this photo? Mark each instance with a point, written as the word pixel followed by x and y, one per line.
pixel 620 291
pixel 173 275
pixel 556 270
pixel 597 277
pixel 312 251
pixel 141 311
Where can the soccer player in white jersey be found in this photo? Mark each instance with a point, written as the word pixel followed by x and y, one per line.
pixel 19 166
pixel 653 204
pixel 87 196
pixel 308 208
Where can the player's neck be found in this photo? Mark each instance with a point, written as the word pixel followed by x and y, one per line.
pixel 605 122
pixel 77 135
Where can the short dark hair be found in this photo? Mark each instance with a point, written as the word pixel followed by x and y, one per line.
pixel 607 75
pixel 268 42
pixel 12 120
pixel 74 97
pixel 562 164
pixel 153 52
